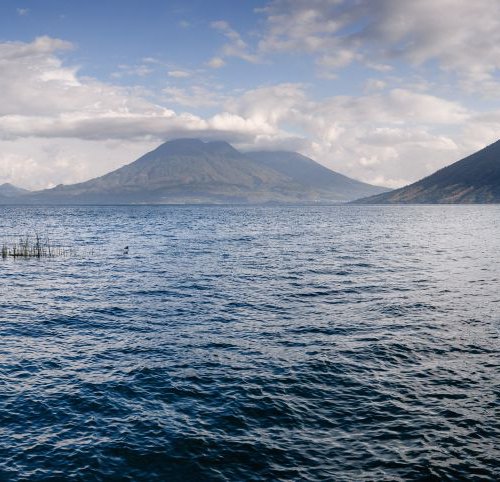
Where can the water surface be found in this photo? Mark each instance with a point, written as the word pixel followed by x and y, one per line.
pixel 252 343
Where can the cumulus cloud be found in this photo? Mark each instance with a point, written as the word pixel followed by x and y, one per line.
pixel 461 36
pixel 42 97
pixel 385 138
pixel 270 105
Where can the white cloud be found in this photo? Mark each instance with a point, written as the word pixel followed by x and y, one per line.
pixel 179 74
pixel 40 96
pixel 459 35
pixel 380 137
pixel 236 46
pixel 398 106
pixel 22 12
pixel 270 105
pixel 216 63
pixel 374 84
pixel 301 25
pixel 151 60
pixel 337 59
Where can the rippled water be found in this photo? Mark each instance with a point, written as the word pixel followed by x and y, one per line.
pixel 252 343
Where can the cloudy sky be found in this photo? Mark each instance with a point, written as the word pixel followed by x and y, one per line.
pixel 385 91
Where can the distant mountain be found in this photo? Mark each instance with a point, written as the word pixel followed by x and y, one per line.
pixel 9 190
pixel 474 179
pixel 184 170
pixel 313 176
pixel 192 171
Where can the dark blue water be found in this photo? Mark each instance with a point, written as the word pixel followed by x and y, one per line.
pixel 252 343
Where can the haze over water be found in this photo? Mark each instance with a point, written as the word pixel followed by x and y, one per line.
pixel 252 343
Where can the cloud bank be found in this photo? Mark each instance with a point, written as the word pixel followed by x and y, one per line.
pixel 459 35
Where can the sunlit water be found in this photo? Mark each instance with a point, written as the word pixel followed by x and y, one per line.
pixel 252 343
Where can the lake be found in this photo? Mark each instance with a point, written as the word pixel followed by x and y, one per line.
pixel 252 343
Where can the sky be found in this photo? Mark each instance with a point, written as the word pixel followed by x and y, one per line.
pixel 385 91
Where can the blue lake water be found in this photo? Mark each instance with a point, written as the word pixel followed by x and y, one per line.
pixel 346 343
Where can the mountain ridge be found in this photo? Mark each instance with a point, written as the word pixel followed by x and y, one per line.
pixel 309 173
pixel 9 190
